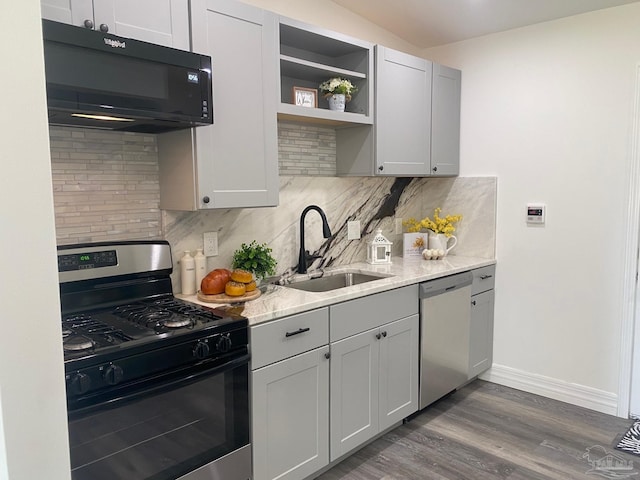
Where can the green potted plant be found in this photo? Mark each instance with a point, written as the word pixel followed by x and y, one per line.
pixel 337 91
pixel 256 259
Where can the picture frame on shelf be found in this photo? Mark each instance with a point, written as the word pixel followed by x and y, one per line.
pixel 305 97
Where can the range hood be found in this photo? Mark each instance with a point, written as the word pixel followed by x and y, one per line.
pixel 99 80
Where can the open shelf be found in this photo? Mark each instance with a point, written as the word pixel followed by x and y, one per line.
pixel 309 56
pixel 287 111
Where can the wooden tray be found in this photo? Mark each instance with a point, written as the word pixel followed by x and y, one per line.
pixel 224 298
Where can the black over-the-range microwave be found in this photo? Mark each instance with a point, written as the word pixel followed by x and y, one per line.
pixel 100 80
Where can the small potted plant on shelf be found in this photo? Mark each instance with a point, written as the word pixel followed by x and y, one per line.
pixel 338 92
pixel 256 259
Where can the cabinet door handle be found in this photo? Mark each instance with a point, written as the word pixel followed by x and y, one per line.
pixel 435 169
pixel 384 334
pixel 327 355
pixel 378 336
pixel 484 277
pixel 473 302
pixel 88 24
pixel 381 167
pixel 104 28
pixel 297 332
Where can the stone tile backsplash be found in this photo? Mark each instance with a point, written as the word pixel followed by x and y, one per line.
pixel 106 187
pixel 306 149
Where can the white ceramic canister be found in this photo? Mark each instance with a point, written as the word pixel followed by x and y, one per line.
pixel 201 267
pixel 188 274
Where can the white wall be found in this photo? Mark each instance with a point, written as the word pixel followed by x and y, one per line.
pixel 33 412
pixel 548 110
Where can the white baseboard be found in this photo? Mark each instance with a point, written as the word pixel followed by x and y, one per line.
pixel 592 398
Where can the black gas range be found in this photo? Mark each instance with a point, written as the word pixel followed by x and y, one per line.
pixel 130 348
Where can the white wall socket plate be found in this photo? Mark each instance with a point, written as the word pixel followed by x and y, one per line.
pixel 353 230
pixel 210 242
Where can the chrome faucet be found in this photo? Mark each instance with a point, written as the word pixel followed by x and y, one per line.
pixel 305 256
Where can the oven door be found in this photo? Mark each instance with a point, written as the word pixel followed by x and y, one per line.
pixel 192 425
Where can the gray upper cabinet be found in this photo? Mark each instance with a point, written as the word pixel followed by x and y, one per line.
pixel 403 120
pixel 234 162
pixel 417 121
pixel 308 56
pixel 163 22
pixel 445 121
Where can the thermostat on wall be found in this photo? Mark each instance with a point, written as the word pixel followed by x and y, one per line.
pixel 536 213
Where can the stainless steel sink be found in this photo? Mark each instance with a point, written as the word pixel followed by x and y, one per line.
pixel 333 281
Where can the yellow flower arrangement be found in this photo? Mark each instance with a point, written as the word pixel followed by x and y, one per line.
pixel 437 225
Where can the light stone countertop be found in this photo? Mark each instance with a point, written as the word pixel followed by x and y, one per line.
pixel 279 301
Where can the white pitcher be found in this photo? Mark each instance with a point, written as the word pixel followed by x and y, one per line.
pixel 439 241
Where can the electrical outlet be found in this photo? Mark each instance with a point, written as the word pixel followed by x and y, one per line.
pixel 210 241
pixel 398 225
pixel 353 230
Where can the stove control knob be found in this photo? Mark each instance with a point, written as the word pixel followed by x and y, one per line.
pixel 79 383
pixel 201 350
pixel 113 374
pixel 223 343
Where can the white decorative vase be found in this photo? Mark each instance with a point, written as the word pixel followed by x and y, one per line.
pixel 337 101
pixel 439 241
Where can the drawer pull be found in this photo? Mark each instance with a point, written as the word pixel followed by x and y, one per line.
pixel 297 332
pixel 484 277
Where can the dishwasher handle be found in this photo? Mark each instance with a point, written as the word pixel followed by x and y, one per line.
pixel 445 284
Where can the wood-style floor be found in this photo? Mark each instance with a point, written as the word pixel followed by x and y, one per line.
pixel 487 431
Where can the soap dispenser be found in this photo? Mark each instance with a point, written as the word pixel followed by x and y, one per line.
pixel 188 274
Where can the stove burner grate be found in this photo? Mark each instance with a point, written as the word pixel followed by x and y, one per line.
pixel 77 342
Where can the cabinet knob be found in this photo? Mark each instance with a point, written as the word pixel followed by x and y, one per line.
pixel 327 355
pixel 473 302
pixel 381 167
pixel 384 334
pixel 104 28
pixel 88 24
pixel 435 169
pixel 378 336
pixel 206 200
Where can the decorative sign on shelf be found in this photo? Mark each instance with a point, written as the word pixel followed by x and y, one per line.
pixel 305 97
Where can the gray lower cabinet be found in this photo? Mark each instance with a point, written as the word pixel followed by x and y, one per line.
pixel 417 116
pixel 481 325
pixel 290 404
pixel 374 383
pixel 374 366
pixel 234 162
pixel 163 23
pixel 290 396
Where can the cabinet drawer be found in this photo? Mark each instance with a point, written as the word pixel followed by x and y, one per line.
pixel 483 279
pixel 280 339
pixel 355 316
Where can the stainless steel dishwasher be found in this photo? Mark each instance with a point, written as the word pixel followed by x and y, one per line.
pixel 445 313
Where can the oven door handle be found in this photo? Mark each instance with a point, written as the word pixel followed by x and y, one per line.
pixel 157 384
